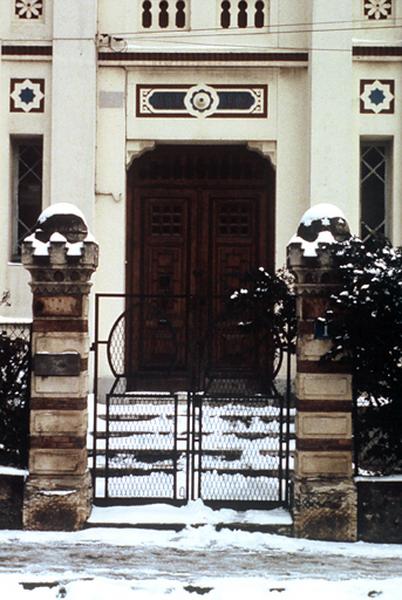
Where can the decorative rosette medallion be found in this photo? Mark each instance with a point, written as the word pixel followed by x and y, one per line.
pixel 201 101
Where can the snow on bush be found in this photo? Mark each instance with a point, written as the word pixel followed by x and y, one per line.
pixel 267 303
pixel 365 323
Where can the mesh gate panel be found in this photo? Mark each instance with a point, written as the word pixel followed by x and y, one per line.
pixel 141 454
pixel 240 456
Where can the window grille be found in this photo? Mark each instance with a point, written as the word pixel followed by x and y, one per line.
pixel 374 181
pixel 241 14
pixel 27 158
pixel 164 14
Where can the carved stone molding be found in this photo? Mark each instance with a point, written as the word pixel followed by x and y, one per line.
pixel 266 149
pixel 134 149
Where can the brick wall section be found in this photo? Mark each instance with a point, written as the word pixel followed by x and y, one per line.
pixel 58 491
pixel 325 504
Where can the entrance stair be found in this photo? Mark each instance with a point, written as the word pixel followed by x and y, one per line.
pixel 193 515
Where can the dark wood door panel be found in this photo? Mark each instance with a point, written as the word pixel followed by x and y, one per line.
pixel 160 275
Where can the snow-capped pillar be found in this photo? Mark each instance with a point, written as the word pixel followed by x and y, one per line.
pixel 61 257
pixel 325 501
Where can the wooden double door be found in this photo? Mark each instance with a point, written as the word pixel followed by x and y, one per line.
pixel 200 218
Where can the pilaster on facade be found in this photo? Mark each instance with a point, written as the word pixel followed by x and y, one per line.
pixel 73 112
pixel 333 120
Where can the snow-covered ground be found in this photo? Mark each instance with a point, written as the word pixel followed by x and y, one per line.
pixel 235 588
pixel 199 561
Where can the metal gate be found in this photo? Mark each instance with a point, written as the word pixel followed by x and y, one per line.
pixel 227 439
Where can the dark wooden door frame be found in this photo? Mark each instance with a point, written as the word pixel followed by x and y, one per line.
pixel 133 228
pixel 161 182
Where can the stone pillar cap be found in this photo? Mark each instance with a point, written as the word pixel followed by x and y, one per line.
pixel 64 219
pixel 61 232
pixel 321 224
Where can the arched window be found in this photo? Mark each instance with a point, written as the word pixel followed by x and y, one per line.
pixel 244 14
pixel 164 14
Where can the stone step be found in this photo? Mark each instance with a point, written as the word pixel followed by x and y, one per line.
pixel 273 528
pixel 177 515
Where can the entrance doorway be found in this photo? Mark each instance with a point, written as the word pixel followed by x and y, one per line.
pixel 199 219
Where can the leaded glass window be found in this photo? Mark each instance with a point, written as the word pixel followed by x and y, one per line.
pixel 27 158
pixel 374 184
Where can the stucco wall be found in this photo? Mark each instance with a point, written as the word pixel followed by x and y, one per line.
pixel 313 130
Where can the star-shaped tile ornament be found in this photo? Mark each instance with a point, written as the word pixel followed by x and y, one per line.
pixel 27 95
pixel 377 96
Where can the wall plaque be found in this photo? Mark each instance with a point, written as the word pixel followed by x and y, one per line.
pixel 67 364
pixel 57 306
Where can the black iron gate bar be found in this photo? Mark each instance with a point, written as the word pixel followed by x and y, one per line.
pixel 195 471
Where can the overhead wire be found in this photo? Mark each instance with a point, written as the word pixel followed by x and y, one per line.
pixel 171 35
pixel 294 28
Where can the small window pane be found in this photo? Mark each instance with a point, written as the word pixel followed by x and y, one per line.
pixel 373 187
pixel 27 189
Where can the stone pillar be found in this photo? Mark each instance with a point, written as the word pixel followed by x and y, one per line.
pixel 325 502
pixel 61 256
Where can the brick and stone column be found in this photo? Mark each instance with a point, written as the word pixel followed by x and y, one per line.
pixel 61 256
pixel 325 503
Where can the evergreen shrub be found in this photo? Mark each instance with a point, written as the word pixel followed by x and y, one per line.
pixel 14 398
pixel 369 331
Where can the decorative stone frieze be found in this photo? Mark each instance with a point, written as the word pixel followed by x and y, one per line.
pixel 61 257
pixel 202 101
pixel 325 504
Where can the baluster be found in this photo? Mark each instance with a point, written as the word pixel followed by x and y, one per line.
pixel 146 14
pixel 180 14
pixel 242 15
pixel 259 19
pixel 163 14
pixel 225 15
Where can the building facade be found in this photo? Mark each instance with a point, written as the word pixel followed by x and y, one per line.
pixel 194 134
